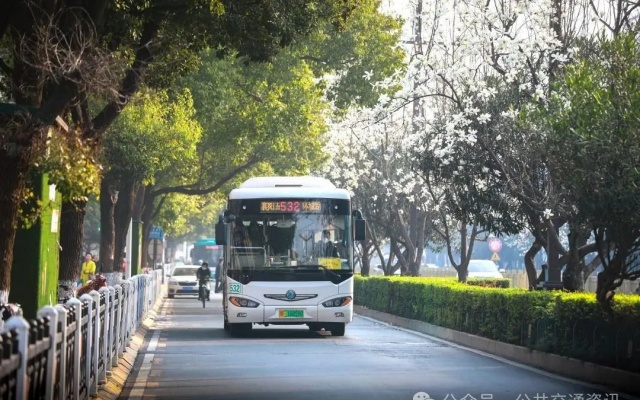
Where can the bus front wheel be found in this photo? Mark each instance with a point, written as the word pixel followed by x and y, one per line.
pixel 337 329
pixel 240 329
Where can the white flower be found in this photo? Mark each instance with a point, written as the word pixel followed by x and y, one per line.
pixel 481 185
pixel 484 117
pixel 368 75
pixel 547 214
pixel 383 99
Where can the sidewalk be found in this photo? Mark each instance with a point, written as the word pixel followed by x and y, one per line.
pixel 116 379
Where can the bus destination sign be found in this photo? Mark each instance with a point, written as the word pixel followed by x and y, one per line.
pixel 290 206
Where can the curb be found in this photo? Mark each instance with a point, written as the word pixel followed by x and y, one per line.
pixel 117 377
pixel 562 366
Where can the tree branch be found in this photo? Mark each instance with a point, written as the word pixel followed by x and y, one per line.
pixel 130 84
pixel 324 61
pixel 188 191
pixel 248 93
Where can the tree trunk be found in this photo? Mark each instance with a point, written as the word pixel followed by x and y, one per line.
pixel 11 185
pixel 365 260
pixel 108 199
pixel 572 275
pixel 414 252
pixel 529 265
pixel 147 223
pixel 71 236
pixel 572 278
pixel 122 217
pixel 466 250
pixel 607 283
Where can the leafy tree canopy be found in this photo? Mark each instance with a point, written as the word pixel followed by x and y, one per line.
pixel 153 133
pixel 595 140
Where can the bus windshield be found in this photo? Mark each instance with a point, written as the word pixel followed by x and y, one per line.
pixel 206 250
pixel 305 235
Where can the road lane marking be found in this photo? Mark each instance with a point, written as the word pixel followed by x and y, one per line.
pixel 140 384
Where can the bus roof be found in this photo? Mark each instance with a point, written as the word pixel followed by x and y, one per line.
pixel 288 187
pixel 287 181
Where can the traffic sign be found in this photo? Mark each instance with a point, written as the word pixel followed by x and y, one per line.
pixel 156 233
pixel 495 257
pixel 495 245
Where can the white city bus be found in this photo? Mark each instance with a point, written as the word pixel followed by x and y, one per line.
pixel 288 257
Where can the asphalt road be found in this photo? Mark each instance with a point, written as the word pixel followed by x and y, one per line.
pixel 187 355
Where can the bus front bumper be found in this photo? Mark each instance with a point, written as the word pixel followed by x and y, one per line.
pixel 289 314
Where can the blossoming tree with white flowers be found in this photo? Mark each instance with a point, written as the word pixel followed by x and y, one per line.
pixel 484 66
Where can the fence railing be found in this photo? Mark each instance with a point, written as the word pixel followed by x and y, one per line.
pixel 66 352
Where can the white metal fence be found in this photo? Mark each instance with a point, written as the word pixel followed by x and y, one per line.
pixel 66 352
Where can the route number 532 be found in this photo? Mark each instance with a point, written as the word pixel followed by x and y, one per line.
pixel 235 288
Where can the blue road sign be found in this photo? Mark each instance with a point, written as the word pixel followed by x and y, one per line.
pixel 156 233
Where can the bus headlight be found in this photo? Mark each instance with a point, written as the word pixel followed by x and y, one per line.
pixel 337 302
pixel 242 302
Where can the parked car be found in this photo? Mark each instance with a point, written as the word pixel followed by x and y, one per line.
pixel 483 269
pixel 182 281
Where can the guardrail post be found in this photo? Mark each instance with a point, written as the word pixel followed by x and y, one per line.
pixel 77 307
pixel 52 314
pixel 126 300
pixel 104 339
pixel 134 305
pixel 21 326
pixel 89 346
pixel 95 339
pixel 62 376
pixel 108 364
pixel 116 326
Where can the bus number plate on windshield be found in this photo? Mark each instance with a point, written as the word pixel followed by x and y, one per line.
pixel 291 313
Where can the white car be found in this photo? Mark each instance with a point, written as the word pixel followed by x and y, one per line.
pixel 183 281
pixel 483 269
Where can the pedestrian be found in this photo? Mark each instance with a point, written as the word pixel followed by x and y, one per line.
pixel 88 269
pixel 219 268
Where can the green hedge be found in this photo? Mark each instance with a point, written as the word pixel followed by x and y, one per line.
pixel 570 324
pixel 490 282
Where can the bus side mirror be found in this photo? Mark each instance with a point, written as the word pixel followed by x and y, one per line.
pixel 360 226
pixel 360 229
pixel 221 234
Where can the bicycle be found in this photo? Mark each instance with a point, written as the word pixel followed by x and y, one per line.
pixel 202 291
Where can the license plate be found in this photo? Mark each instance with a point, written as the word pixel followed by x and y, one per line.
pixel 291 313
pixel 187 288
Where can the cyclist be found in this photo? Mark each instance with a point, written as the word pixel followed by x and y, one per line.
pixel 204 275
pixel 218 275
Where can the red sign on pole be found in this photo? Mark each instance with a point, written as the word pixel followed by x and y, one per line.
pixel 495 245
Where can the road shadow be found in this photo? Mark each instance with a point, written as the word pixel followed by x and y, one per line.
pixel 193 333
